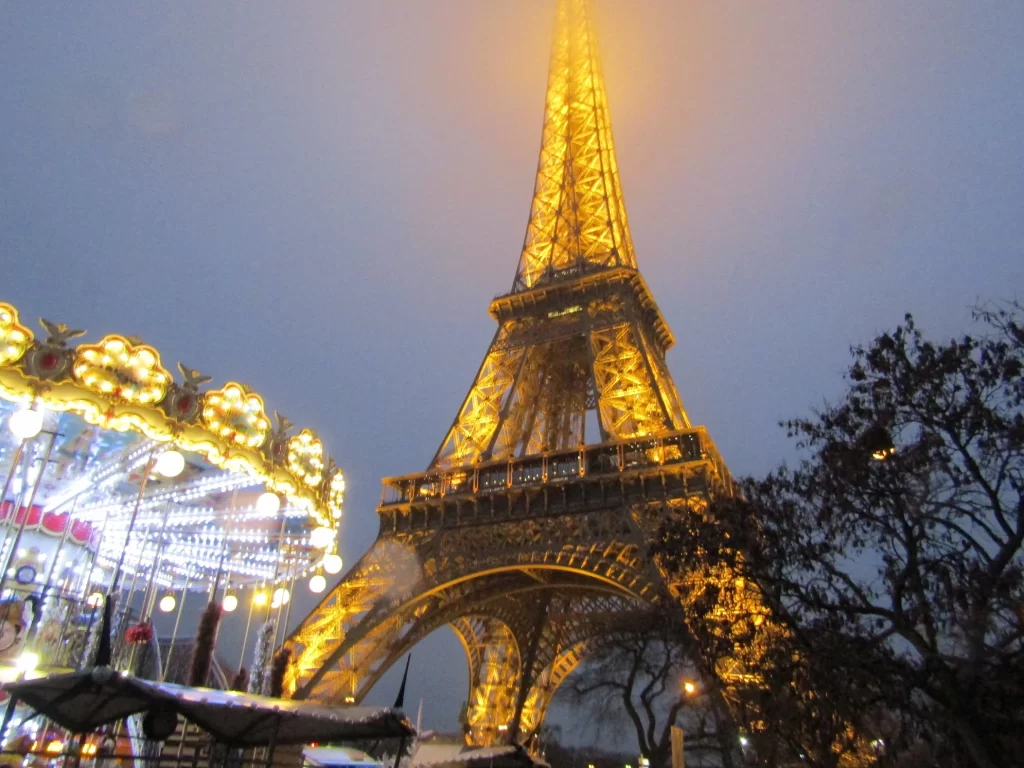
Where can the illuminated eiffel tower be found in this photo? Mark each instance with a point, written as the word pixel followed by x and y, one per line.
pixel 522 536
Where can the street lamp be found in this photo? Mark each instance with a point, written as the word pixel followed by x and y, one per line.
pixel 170 464
pixel 268 503
pixel 321 537
pixel 27 662
pixel 26 423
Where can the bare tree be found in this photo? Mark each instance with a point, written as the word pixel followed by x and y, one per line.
pixel 643 671
pixel 892 555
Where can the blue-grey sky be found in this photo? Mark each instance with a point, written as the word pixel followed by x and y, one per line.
pixel 320 198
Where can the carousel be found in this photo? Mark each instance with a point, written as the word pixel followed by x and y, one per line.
pixel 128 489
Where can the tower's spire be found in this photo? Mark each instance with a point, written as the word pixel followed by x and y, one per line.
pixel 578 219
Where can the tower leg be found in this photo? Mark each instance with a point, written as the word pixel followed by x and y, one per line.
pixel 495 672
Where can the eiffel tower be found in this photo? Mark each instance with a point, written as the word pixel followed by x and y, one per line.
pixel 521 535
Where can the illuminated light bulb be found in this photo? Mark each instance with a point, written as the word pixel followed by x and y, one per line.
pixel 260 598
pixel 281 597
pixel 230 603
pixel 321 537
pixel 268 503
pixel 55 746
pixel 26 423
pixel 27 662
pixel 332 563
pixel 170 464
pixel 94 600
pixel 167 603
pixel 317 584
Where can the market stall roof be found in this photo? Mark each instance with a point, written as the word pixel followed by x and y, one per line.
pixel 438 755
pixel 83 701
pixel 338 757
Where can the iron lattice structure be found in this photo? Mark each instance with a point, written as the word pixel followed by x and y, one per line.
pixel 521 535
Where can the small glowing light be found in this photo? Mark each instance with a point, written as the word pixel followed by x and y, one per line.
pixel 281 597
pixel 27 662
pixel 268 503
pixel 230 602
pixel 502 727
pixel 55 746
pixel 690 687
pixel 744 741
pixel 88 749
pixel 317 584
pixel 332 563
pixel 94 600
pixel 352 700
pixel 26 423
pixel 260 598
pixel 167 603
pixel 170 464
pixel 321 537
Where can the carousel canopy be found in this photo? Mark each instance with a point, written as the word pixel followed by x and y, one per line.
pixel 103 449
pixel 83 701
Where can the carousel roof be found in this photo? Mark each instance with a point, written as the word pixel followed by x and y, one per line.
pixel 83 701
pixel 120 384
pixel 107 413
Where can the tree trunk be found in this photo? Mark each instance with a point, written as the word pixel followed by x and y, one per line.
pixel 973 743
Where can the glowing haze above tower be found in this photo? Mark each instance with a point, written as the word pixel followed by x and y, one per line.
pixel 578 218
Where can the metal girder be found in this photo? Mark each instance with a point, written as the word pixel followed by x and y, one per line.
pixel 351 632
pixel 494 677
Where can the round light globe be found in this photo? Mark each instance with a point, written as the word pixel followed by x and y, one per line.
pixel 25 424
pixel 317 584
pixel 321 537
pixel 230 603
pixel 332 563
pixel 95 600
pixel 27 662
pixel 268 503
pixel 167 603
pixel 281 597
pixel 259 599
pixel 170 463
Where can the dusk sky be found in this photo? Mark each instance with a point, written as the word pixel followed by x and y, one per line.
pixel 320 199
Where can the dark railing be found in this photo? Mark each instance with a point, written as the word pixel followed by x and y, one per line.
pixel 624 456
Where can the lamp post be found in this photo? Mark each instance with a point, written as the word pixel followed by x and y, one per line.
pixel 177 622
pixel 24 427
pixel 48 584
pixel 28 510
pixel 169 464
